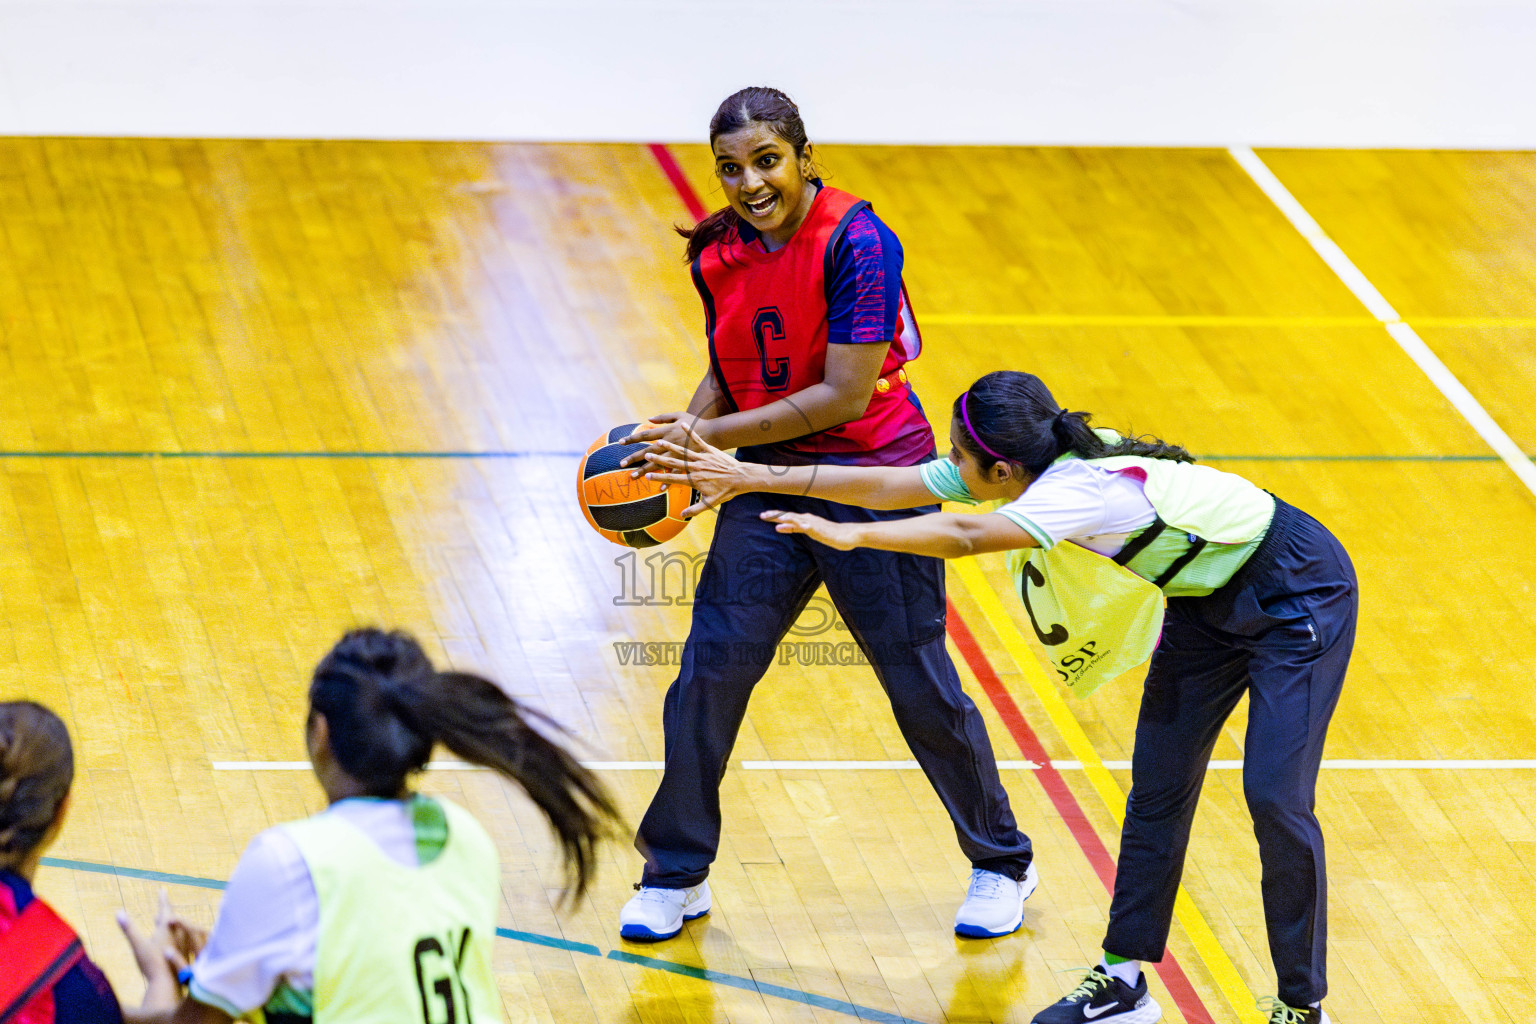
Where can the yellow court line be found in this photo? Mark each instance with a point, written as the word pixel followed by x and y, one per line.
pixel 1171 320
pixel 1236 992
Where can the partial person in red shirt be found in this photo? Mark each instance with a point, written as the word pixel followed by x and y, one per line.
pixel 45 976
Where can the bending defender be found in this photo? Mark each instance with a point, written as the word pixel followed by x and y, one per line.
pixel 1270 610
pixel 808 332
pixel 382 908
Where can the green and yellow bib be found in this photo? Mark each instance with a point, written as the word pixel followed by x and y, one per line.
pixel 401 944
pixel 1096 617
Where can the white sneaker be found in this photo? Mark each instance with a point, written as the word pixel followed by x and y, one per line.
pixel 654 914
pixel 994 904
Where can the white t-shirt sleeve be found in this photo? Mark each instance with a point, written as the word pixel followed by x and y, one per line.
pixel 1075 500
pixel 266 931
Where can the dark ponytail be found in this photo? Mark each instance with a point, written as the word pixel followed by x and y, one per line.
pixel 37 767
pixel 723 226
pixel 1011 417
pixel 757 104
pixel 386 706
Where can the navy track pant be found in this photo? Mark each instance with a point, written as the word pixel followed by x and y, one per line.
pixel 753 587
pixel 1281 631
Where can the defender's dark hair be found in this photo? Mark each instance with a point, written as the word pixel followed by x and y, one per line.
pixel 386 706
pixel 37 766
pixel 1012 416
pixel 757 104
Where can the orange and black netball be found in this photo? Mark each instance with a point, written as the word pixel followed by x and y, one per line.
pixel 632 511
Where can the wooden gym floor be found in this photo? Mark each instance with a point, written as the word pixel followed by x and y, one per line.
pixel 260 392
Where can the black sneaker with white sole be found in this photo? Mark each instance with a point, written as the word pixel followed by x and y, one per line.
pixel 1103 999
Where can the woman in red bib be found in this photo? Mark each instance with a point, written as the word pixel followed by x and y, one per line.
pixel 808 329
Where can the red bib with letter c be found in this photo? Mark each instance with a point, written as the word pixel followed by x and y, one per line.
pixel 766 317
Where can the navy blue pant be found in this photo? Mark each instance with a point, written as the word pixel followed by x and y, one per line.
pixel 1281 631
pixel 753 587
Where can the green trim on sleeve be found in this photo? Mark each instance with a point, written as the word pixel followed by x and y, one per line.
pixel 943 479
pixel 294 1004
pixel 1042 538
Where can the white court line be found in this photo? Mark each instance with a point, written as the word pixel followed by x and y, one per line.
pixel 1406 337
pixel 865 766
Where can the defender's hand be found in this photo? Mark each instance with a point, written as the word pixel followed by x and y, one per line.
pixel 842 536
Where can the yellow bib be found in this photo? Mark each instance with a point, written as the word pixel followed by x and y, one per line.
pixel 1094 619
pixel 398 944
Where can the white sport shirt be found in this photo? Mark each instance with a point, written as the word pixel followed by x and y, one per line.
pixel 1072 500
pixel 269 919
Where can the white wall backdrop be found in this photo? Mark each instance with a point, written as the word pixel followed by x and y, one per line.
pixel 1179 72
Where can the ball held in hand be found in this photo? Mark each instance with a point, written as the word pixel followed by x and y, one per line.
pixel 626 509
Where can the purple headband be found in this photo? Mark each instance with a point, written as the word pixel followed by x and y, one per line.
pixel 965 415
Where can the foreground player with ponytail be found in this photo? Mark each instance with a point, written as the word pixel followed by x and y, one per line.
pixel 382 908
pixel 1261 599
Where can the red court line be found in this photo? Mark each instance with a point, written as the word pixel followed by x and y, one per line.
pixel 679 180
pixel 1066 804
pixel 1023 734
pixel 1055 786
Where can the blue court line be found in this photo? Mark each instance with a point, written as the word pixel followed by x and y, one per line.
pixel 764 988
pixel 544 454
pixel 537 939
pixel 147 876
